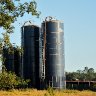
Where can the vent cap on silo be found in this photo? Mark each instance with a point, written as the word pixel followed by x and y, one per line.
pixel 50 18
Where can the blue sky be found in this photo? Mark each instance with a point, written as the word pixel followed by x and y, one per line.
pixel 79 18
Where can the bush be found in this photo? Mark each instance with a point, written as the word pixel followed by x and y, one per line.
pixel 93 87
pixel 22 83
pixel 9 80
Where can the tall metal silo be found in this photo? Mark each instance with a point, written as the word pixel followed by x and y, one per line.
pixel 53 52
pixel 30 60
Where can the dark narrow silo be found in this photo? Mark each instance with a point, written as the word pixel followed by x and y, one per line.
pixel 17 61
pixel 30 60
pixel 11 59
pixel 53 31
pixel 8 58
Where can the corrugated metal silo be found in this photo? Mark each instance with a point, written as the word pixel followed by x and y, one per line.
pixel 53 53
pixel 30 60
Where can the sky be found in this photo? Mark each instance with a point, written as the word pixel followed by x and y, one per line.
pixel 79 18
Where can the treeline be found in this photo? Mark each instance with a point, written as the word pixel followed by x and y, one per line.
pixel 9 80
pixel 81 79
pixel 87 74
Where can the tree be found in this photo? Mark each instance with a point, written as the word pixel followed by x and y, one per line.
pixel 87 74
pixel 10 10
pixel 72 76
pixel 90 70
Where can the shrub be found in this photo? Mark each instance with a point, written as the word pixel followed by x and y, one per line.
pixel 93 87
pixel 9 80
pixel 22 83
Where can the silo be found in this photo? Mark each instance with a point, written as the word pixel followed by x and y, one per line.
pixel 17 61
pixel 53 52
pixel 8 58
pixel 30 56
pixel 11 59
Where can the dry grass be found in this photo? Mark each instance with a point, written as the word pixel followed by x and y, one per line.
pixel 34 92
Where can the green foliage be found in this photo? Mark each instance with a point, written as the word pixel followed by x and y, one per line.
pixel 10 10
pixel 9 80
pixel 87 74
pixel 72 76
pixel 22 83
pixel 6 39
pixel 93 87
pixel 1 45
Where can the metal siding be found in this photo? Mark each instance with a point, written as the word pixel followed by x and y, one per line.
pixel 30 60
pixel 8 60
pixel 54 65
pixel 12 60
pixel 17 61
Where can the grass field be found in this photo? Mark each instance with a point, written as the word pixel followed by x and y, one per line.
pixel 34 92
